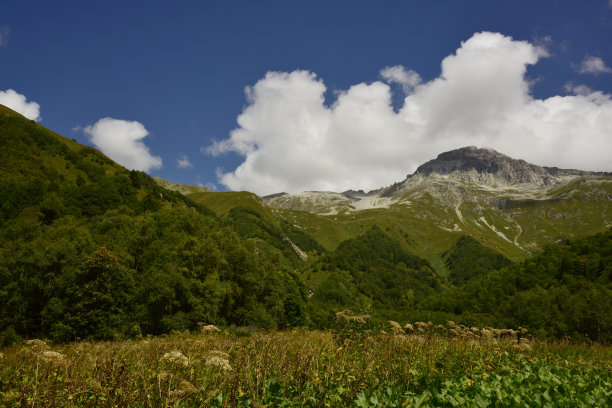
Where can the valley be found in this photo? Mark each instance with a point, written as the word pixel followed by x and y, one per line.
pixel 469 237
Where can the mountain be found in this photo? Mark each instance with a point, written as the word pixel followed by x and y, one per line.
pixel 488 167
pixel 510 206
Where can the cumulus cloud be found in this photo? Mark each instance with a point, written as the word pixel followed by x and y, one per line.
pixel 19 104
pixel 593 65
pixel 121 140
pixel 183 162
pixel 408 79
pixel 292 141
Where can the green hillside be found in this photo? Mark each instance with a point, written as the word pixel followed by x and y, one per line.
pixel 371 272
pixel 469 259
pixel 564 291
pixel 90 249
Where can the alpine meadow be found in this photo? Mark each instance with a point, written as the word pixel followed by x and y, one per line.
pixel 306 204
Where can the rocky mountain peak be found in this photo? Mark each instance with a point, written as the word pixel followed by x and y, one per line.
pixel 488 166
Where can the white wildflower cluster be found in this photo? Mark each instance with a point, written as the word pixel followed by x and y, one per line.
pixel 36 345
pixel 176 357
pixel 219 359
pixel 396 328
pixel 208 328
pixel 38 349
pixel 54 358
pixel 458 330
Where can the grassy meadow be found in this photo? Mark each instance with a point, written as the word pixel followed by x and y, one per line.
pixel 345 367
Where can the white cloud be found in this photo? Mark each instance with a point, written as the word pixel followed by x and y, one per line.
pixel 593 65
pixel 581 89
pixel 121 140
pixel 184 162
pixel 210 186
pixel 291 141
pixel 408 79
pixel 4 35
pixel 19 104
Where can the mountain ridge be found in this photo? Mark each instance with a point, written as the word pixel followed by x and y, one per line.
pixel 503 168
pixel 484 167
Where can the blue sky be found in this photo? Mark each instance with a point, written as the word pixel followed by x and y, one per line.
pixel 180 69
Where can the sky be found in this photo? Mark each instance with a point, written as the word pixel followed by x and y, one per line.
pixel 272 96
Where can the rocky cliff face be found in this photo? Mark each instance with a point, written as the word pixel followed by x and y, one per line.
pixel 469 174
pixel 486 166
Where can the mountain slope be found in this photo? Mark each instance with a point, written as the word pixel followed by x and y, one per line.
pixel 89 249
pixel 468 259
pixel 371 271
pixel 510 206
pixel 564 291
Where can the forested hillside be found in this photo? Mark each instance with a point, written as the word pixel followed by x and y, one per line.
pixel 469 259
pixel 371 273
pixel 564 291
pixel 90 249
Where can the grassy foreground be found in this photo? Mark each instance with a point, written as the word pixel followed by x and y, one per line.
pixel 302 368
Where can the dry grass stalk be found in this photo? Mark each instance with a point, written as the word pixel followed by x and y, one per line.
pixel 343 315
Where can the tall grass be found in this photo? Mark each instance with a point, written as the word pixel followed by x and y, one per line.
pixel 288 368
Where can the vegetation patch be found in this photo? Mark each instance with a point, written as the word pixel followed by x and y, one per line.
pixel 305 368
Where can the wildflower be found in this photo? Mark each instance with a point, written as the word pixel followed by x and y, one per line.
pixel 421 326
pixel 523 344
pixel 176 357
pixel 208 328
pixel 36 345
pixel 488 333
pixel 219 362
pixel 396 328
pixel 53 357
